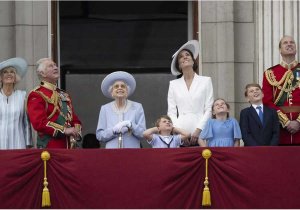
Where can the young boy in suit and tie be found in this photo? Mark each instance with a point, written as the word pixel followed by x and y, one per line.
pixel 259 124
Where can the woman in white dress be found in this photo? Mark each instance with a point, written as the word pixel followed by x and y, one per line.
pixel 15 130
pixel 190 97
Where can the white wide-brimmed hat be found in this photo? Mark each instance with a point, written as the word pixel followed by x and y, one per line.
pixel 18 63
pixel 110 79
pixel 193 46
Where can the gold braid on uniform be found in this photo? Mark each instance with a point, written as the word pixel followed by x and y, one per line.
pixel 56 101
pixel 283 119
pixel 287 87
pixel 286 80
pixel 53 100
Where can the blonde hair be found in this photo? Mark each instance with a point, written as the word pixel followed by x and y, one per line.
pixel 17 76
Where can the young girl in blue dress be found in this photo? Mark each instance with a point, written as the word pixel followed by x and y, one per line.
pixel 221 130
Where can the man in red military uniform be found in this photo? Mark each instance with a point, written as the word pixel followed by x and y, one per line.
pixel 281 87
pixel 50 110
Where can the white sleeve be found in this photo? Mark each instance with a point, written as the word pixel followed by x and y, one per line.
pixel 209 99
pixel 172 109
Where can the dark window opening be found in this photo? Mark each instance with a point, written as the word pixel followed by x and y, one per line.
pixel 104 35
pixel 99 37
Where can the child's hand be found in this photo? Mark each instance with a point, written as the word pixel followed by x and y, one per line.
pixel 186 142
pixel 202 143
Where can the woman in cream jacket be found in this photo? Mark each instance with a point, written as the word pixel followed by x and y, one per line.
pixel 190 97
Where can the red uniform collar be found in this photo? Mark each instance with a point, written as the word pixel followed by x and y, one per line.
pixel 289 66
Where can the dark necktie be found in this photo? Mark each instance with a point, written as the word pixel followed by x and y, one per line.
pixel 260 114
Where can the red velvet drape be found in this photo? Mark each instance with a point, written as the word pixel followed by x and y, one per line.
pixel 249 177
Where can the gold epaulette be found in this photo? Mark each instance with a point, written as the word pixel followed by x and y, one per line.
pixel 271 68
pixel 34 89
pixel 284 85
pixel 53 100
pixel 272 79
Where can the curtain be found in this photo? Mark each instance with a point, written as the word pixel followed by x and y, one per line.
pixel 246 177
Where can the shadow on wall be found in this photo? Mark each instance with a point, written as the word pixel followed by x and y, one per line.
pixel 90 142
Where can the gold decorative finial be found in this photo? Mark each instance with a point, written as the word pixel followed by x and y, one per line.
pixel 46 194
pixel 206 200
pixel 45 155
pixel 206 153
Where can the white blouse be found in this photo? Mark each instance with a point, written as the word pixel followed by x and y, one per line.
pixel 15 129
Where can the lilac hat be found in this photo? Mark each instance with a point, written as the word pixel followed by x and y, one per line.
pixel 18 63
pixel 193 46
pixel 110 79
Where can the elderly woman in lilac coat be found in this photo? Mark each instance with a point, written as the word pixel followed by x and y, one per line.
pixel 121 122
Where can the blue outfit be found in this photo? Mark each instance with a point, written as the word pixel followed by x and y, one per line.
pixel 221 133
pixel 159 141
pixel 109 116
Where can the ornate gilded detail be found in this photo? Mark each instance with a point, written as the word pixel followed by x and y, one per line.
pixel 206 198
pixel 53 100
pixel 285 85
pixel 56 100
pixel 283 119
pixel 56 126
pixel 289 65
pixel 45 156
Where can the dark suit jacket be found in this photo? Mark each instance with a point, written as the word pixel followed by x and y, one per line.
pixel 254 133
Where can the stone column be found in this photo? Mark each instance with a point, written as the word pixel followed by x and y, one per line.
pixel 217 47
pixel 274 19
pixel 31 36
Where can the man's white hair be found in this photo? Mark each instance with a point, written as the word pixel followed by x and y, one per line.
pixel 40 66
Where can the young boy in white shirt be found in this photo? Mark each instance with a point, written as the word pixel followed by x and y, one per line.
pixel 164 135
